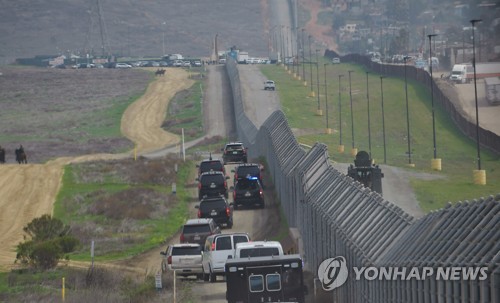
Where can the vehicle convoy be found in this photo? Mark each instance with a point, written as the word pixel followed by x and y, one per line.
pixel 185 259
pixel 217 208
pixel 218 249
pixel 258 249
pixel 248 192
pixel 197 230
pixel 265 279
pixel 212 183
pixel 234 152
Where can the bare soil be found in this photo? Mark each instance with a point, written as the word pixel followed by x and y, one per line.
pixel 28 191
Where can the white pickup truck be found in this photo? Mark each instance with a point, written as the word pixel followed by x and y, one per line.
pixel 258 249
pixel 185 259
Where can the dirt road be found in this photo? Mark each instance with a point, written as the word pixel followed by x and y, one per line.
pixel 29 191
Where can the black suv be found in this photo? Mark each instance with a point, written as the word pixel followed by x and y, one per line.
pixel 217 208
pixel 248 170
pixel 197 230
pixel 212 183
pixel 248 192
pixel 234 152
pixel 210 165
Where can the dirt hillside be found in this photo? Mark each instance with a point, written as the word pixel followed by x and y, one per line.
pixel 28 191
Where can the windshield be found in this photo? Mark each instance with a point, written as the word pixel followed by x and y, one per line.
pixel 209 179
pixel 193 229
pixel 259 252
pixel 234 147
pixel 206 206
pixel 247 170
pixel 186 251
pixel 211 165
pixel 247 185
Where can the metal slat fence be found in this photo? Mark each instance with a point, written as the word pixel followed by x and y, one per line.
pixel 337 216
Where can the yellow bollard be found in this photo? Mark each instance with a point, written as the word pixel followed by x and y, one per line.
pixel 341 149
pixel 354 151
pixel 411 165
pixel 135 153
pixel 319 112
pixel 305 83
pixel 312 94
pixel 479 176
pixel 63 289
pixel 328 131
pixel 436 164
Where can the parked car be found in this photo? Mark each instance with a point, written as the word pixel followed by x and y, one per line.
pixel 248 192
pixel 258 249
pixel 269 85
pixel 177 63
pixel 234 152
pixel 184 258
pixel 212 183
pixel 217 208
pixel 186 63
pixel 336 60
pixel 197 230
pixel 197 63
pixel 248 170
pixel 122 65
pixel 210 165
pixel 218 249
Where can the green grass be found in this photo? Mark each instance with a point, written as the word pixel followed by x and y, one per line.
pixel 185 111
pixel 458 153
pixel 155 231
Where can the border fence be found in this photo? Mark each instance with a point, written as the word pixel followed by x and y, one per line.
pixel 337 216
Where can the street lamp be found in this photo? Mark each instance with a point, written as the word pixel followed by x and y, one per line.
pixel 435 163
pixel 479 175
pixel 369 130
pixel 328 130
pixel 383 116
pixel 405 58
pixel 311 94
pixel 303 59
pixel 319 112
pixel 341 146
pixel 354 151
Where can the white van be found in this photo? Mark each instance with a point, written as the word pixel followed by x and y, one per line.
pixel 218 248
pixel 258 249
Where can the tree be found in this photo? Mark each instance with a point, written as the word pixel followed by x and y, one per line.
pixel 49 240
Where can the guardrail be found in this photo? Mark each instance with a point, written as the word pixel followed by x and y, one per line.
pixel 337 216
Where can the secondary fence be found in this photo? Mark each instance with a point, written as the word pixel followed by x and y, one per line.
pixel 487 138
pixel 337 216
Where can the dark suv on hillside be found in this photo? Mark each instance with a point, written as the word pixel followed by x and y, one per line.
pixel 217 208
pixel 234 152
pixel 211 165
pixel 248 170
pixel 248 192
pixel 212 183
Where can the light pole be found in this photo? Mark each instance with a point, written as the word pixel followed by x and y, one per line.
pixel 319 112
pixel 303 58
pixel 354 150
pixel 435 163
pixel 341 146
pixel 383 116
pixel 282 45
pixel 328 130
pixel 405 58
pixel 479 175
pixel 311 94
pixel 369 129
